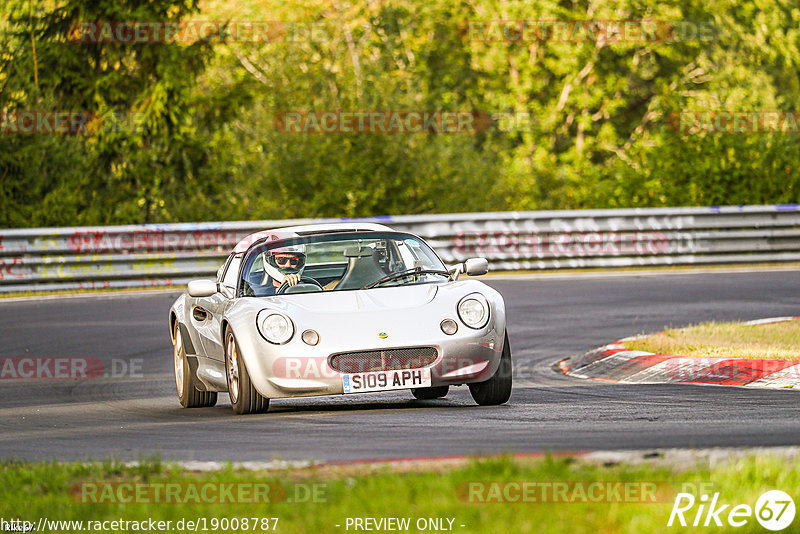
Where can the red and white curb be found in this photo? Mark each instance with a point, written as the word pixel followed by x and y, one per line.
pixel 615 363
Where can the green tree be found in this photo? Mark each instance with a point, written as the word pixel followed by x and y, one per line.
pixel 142 146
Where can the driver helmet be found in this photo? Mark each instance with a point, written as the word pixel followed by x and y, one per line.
pixel 283 261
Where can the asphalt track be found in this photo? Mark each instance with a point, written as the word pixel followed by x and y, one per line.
pixel 137 417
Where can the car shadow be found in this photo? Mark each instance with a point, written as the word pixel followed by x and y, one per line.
pixel 356 403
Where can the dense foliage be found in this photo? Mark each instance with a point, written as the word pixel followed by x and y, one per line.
pixel 186 129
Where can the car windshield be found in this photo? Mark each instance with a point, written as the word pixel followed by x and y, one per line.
pixel 340 262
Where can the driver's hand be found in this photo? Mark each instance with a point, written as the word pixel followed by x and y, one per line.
pixel 292 279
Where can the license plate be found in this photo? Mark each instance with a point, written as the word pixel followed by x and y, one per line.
pixel 386 380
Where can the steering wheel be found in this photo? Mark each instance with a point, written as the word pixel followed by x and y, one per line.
pixel 303 279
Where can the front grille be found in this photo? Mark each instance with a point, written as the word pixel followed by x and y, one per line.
pixel 383 360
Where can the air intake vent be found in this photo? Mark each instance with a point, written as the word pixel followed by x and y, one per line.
pixel 383 360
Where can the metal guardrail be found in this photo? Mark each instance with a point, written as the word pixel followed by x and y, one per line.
pixel 172 254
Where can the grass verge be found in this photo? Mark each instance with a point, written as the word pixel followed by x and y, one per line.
pixel 773 341
pixel 319 499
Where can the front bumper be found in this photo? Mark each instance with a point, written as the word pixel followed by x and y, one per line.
pixel 299 370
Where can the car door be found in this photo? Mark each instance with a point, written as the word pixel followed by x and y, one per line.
pixel 208 311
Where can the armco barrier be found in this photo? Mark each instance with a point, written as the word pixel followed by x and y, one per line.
pixel 167 254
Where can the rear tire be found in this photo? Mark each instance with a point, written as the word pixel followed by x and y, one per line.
pixel 185 379
pixel 244 397
pixel 430 393
pixel 497 389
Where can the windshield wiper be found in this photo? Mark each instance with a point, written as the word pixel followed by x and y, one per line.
pixel 403 274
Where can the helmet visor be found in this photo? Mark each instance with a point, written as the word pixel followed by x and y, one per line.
pixel 287 262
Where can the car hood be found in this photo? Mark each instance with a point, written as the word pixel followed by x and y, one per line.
pixel 349 320
pixel 364 300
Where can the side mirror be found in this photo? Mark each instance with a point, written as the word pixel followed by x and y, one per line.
pixel 455 271
pixel 202 288
pixel 476 266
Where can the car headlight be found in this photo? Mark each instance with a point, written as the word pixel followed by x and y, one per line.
pixel 474 311
pixel 275 327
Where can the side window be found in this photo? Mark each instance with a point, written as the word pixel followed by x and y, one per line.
pixel 229 279
pixel 255 279
pixel 256 274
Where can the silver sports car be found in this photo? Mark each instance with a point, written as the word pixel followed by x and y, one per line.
pixel 338 309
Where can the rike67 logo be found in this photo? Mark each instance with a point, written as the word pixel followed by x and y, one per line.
pixel 774 510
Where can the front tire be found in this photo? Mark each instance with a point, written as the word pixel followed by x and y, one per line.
pixel 185 380
pixel 497 389
pixel 430 393
pixel 244 397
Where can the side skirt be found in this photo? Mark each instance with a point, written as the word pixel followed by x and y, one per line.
pixel 210 373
